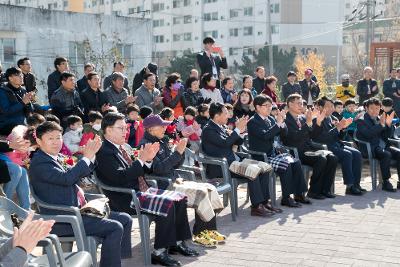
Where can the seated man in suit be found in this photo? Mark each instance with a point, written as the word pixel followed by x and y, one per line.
pixel 218 141
pixel 263 130
pixel 56 182
pixel 116 168
pixel 301 130
pixel 376 130
pixel 349 157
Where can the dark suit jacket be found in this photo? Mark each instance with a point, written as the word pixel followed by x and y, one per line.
pixel 299 138
pixel 362 89
pixel 205 63
pixel 216 142
pixel 53 83
pixel 54 184
pixel 92 100
pixel 329 133
pixel 305 89
pixel 261 134
pixel 369 131
pixel 113 170
pixel 30 82
pixel 82 84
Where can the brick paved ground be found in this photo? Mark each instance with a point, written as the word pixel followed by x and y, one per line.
pixel 346 231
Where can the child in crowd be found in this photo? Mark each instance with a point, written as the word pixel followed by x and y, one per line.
pixel 338 113
pixel 167 114
pixel 304 106
pixel 132 124
pixel 274 110
pixel 350 111
pixel 387 107
pixel 190 129
pixel 35 119
pixel 93 128
pixel 143 113
pixel 73 134
pixel 231 118
pixel 203 116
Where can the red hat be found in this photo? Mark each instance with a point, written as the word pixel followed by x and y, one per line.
pixel 308 72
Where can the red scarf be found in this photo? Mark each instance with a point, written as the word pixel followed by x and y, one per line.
pixel 193 136
pixel 207 87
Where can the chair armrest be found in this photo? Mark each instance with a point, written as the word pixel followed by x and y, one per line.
pixel 395 142
pixel 324 146
pixel 348 143
pixel 243 154
pixel 136 203
pixel 293 150
pixel 255 153
pixel 93 196
pixel 157 178
pixel 152 183
pixel 222 162
pixel 188 174
pixel 57 245
pixel 54 260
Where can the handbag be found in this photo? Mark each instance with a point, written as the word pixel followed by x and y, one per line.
pixel 97 208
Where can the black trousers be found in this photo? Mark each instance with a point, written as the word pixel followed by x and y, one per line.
pixel 385 156
pixel 292 180
pixel 200 225
pixel 324 170
pixel 258 189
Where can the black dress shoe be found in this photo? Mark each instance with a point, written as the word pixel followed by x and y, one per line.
pixel 289 202
pixel 184 250
pixel 360 188
pixel 387 186
pixel 354 191
pixel 329 195
pixel 315 196
pixel 302 200
pixel 164 259
pixel 261 211
pixel 269 207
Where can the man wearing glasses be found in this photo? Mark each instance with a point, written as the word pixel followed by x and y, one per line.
pixel 29 79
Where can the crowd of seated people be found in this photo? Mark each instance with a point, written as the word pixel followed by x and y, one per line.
pixel 125 134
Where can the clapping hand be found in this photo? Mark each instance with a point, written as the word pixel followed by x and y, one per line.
pixel 242 123
pixel 148 151
pixel 321 116
pixel 92 147
pixel 389 119
pixel 280 116
pixel 343 124
pixel 309 116
pixel 181 145
pixel 382 119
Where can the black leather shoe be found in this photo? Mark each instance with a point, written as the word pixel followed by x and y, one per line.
pixel 164 259
pixel 387 186
pixel 315 196
pixel 353 191
pixel 289 202
pixel 302 200
pixel 184 250
pixel 269 207
pixel 360 188
pixel 328 195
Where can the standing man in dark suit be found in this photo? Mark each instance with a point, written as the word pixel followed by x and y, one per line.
pixel 376 130
pixel 120 68
pixel 349 157
pixel 309 88
pixel 93 98
pixel 217 141
pixel 367 87
pixel 54 79
pixel 29 78
pixel 82 83
pixel 301 130
pixel 259 80
pixel 291 86
pixel 115 169
pixel 56 182
pixel 263 131
pixel 209 63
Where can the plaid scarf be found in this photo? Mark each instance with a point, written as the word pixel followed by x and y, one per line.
pixel 158 201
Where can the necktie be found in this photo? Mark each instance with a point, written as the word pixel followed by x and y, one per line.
pixel 298 122
pixel 142 183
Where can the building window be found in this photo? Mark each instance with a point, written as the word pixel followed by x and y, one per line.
pixel 158 7
pixel 234 32
pixel 177 20
pixel 124 52
pixel 158 23
pixel 233 51
pixel 76 53
pixel 213 34
pixel 187 19
pixel 176 3
pixel 347 5
pixel 211 16
pixel 346 39
pixel 66 4
pixel 248 51
pixel 275 8
pixel 132 11
pixel 234 13
pixel 259 33
pixel 274 29
pixel 248 31
pixel 176 37
pixel 159 38
pixel 187 36
pixel 186 2
pixel 248 11
pixel 7 50
pixel 209 1
pixel 361 38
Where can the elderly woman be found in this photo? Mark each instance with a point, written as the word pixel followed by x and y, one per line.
pixel 173 94
pixel 210 92
pixel 270 86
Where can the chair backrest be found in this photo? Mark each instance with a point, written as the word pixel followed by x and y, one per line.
pixel 8 207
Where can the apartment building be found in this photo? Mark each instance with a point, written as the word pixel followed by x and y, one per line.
pixel 65 5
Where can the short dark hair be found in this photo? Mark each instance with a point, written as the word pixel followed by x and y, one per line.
pixel 203 107
pixel 166 113
pixel 88 65
pixel 72 119
pixel 190 111
pixel 21 61
pixel 190 81
pixel 387 102
pixel 147 75
pixel 94 115
pixel 259 67
pixel 245 77
pixel 59 60
pixel 215 109
pixel 91 75
pixel 46 127
pixel 206 78
pixel 270 79
pixel 372 101
pixel 208 40
pixel 65 75
pixel 238 105
pixel 349 102
pixel 260 100
pixel 118 63
pixel 132 108
pixel 291 98
pixel 228 106
pixel 117 75
pixel 338 103
pixel 52 117
pixel 323 100
pixel 145 111
pixel 110 119
pixel 171 79
pixel 12 71
pixel 291 73
pixel 225 81
pixel 35 119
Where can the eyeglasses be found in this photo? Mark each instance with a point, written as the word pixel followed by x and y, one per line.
pixel 266 105
pixel 122 129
